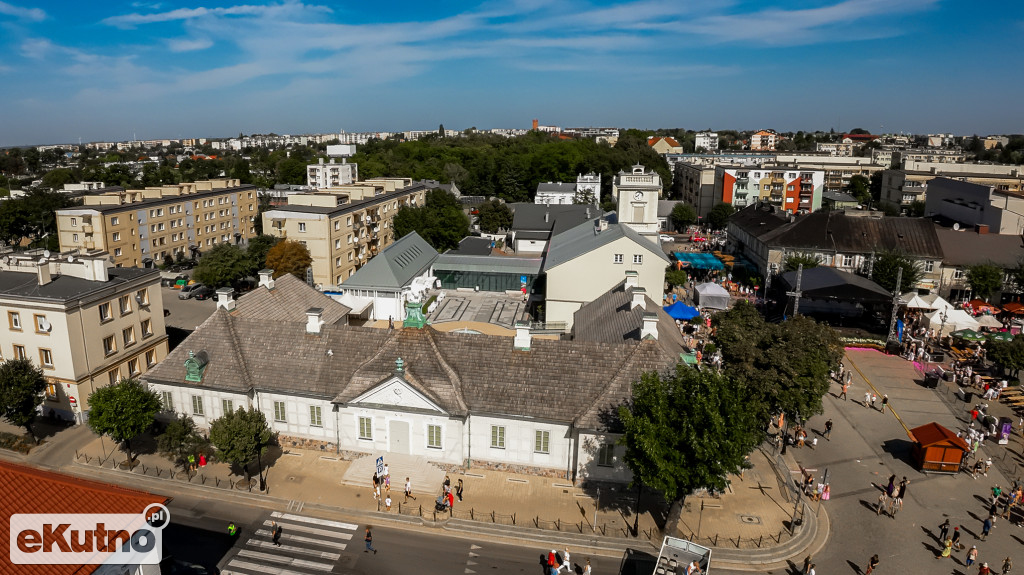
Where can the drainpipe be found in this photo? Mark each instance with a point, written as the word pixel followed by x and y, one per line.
pixel 469 442
pixel 78 414
pixel 337 430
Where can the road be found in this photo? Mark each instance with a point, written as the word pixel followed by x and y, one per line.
pixel 319 544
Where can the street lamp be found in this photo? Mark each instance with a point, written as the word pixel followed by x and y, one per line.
pixel 942 326
pixel 259 462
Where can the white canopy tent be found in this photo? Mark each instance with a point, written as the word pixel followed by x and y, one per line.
pixel 935 302
pixel 914 301
pixel 954 320
pixel 711 295
pixel 989 321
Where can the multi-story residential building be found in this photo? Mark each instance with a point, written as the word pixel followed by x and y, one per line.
pixel 764 140
pixel 976 205
pixel 838 171
pixel 587 189
pixel 331 174
pixel 86 325
pixel 883 156
pixel 707 141
pixel 939 156
pixel 140 227
pixel 343 227
pixel 963 248
pixel 794 189
pixel 697 185
pixel 905 186
pixel 843 149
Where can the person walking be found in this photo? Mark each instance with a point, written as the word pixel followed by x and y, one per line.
pixel 872 563
pixel 956 538
pixel 369 541
pixel 553 562
pixel 874 398
pixel 387 502
pixel 1007 565
pixel 807 565
pixel 867 399
pixel 842 395
pixel 944 530
pixel 972 556
pixel 408 490
pixel 458 490
pixel 232 529
pixel 984 570
pixel 986 526
pixel 947 548
pixel 565 562
pixel 828 430
pixel 587 570
pixel 885 402
pixel 275 532
pixel 883 501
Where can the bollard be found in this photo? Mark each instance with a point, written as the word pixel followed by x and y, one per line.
pixel 203 479
pixel 216 481
pixel 716 539
pixel 759 540
pixel 471 516
pixel 492 517
pixel 513 519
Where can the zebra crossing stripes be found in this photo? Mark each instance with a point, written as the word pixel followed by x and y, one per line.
pixel 306 546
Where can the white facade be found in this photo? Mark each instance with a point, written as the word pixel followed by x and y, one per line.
pixel 706 141
pixel 637 194
pixel 329 175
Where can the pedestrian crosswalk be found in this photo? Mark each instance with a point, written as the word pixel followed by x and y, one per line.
pixel 306 546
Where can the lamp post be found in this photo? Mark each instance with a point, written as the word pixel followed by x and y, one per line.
pixel 259 462
pixel 942 326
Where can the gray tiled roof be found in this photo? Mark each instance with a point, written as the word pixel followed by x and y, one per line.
pixel 611 318
pixel 288 301
pixel 557 187
pixel 835 231
pixel 966 248
pixel 582 240
pixel 561 217
pixel 460 372
pixel 395 267
pixel 63 288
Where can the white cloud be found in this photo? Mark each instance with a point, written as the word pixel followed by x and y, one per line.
pixel 188 44
pixel 31 14
pixel 136 19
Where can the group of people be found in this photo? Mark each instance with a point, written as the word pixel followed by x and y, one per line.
pixel 382 482
pixel 556 562
pixel 890 500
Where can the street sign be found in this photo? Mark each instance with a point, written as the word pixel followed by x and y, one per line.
pixel 380 465
pixel 522 279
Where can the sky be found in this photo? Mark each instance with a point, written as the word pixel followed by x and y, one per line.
pixel 115 70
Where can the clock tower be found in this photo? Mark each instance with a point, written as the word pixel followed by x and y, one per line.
pixel 636 194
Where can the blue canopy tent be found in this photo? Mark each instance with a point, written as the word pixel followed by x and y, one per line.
pixel 680 310
pixel 698 261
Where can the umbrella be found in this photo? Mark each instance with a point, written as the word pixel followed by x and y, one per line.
pixel 1013 307
pixel 680 310
pixel 968 334
pixel 981 305
pixel 1000 336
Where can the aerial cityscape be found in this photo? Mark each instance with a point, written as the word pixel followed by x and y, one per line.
pixel 642 287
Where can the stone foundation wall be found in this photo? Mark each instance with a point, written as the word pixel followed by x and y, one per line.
pixel 286 441
pixel 453 468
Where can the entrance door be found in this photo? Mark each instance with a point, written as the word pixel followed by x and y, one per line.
pixel 398 437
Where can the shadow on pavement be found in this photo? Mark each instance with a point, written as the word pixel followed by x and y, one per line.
pixel 899 449
pixel 637 563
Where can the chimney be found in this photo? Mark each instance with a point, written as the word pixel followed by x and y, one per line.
pixel 650 328
pixel 639 298
pixel 523 337
pixel 226 298
pixel 632 279
pixel 43 273
pixel 332 160
pixel 321 160
pixel 267 279
pixel 980 228
pixel 313 319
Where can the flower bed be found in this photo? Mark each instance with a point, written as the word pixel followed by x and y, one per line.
pixel 13 442
pixel 863 342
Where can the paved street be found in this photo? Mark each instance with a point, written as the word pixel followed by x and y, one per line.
pixel 866 447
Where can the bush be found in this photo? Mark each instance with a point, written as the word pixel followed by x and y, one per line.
pixel 14 442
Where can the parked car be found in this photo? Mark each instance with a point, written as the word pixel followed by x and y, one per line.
pixel 666 238
pixel 187 291
pixel 203 293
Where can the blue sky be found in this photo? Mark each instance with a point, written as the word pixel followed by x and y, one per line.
pixel 169 69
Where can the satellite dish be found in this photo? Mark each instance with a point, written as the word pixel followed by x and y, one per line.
pixel 956 227
pixel 46 253
pixel 71 259
pixel 42 260
pixel 45 325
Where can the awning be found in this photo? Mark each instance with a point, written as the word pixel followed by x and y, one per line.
pixel 359 304
pixel 698 261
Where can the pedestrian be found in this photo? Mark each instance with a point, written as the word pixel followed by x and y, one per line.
pixel 811 570
pixel 828 430
pixel 552 563
pixel 447 485
pixel 890 489
pixel 1007 565
pixel 566 562
pixel 202 460
pixel 846 387
pixel 232 530
pixel 986 526
pixel 867 399
pixel 387 477
pixel 369 541
pixel 693 568
pixel 191 462
pixel 956 538
pixel 901 492
pixel 872 563
pixel 874 398
pixel 807 565
pixel 849 377
pixel 387 502
pixel 885 402
pixel 275 532
pixel 451 502
pixel 947 548
pixel 587 571
pixel 984 570
pixel 972 556
pixel 408 490
pixel 458 490
pixel 376 485
pixel 883 500
pixel 944 530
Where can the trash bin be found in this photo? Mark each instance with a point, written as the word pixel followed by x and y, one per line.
pixel 892 347
pixel 931 380
pixel 968 396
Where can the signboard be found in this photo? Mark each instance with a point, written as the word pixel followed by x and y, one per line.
pixel 380 465
pixel 522 279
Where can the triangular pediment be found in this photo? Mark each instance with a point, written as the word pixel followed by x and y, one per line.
pixel 398 393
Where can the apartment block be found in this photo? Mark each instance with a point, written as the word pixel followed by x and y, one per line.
pixel 330 174
pixel 764 140
pixel 905 186
pixel 85 324
pixel 345 226
pixel 697 184
pixel 838 171
pixel 141 227
pixel 707 141
pixel 843 149
pixel 791 188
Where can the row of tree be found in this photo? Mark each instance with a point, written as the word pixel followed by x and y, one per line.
pixel 226 264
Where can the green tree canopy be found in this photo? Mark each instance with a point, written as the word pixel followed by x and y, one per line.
pixel 180 439
pixel 884 270
pixel 440 221
pixel 718 217
pixel 222 266
pixel 289 257
pixel 55 179
pixel 21 392
pixel 676 277
pixel 985 279
pixel 688 430
pixel 123 411
pixel 683 215
pixel 860 188
pixel 494 216
pixel 794 260
pixel 239 435
pixel 257 250
pixel 1008 355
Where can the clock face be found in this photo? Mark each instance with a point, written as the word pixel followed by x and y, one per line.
pixel 638 196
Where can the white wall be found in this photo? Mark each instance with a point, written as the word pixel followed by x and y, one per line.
pixel 520 437
pixel 587 466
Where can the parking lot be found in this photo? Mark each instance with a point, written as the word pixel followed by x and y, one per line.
pixel 185 314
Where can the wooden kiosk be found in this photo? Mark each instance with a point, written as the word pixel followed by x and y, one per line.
pixel 937 449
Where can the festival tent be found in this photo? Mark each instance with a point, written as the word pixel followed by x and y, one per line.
pixel 982 306
pixel 680 310
pixel 1014 307
pixel 914 301
pixel 989 321
pixel 711 295
pixel 698 261
pixel 955 320
pixel 935 302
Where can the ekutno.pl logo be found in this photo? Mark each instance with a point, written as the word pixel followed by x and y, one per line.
pixel 88 538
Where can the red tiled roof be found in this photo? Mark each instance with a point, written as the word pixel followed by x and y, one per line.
pixel 933 433
pixel 670 141
pixel 30 490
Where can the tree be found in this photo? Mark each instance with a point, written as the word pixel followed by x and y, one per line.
pixel 493 216
pixel 21 389
pixel 718 217
pixel 440 221
pixel 180 439
pixel 222 266
pixel 793 261
pixel 860 188
pixel 884 269
pixel 239 436
pixel 55 179
pixel 916 209
pixel 676 277
pixel 257 251
pixel 123 411
pixel 682 216
pixel 289 257
pixel 1008 355
pixel 688 430
pixel 985 279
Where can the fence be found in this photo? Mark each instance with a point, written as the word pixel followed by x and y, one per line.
pixel 112 461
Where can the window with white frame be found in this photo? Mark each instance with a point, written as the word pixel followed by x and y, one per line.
pixel 197 405
pixel 498 437
pixel 365 428
pixel 279 411
pixel 638 258
pixel 316 416
pixel 434 436
pixel 606 455
pixel 958 274
pixel 847 261
pixel 929 266
pixel 617 259
pixel 167 400
pixel 540 442
pixel 302 226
